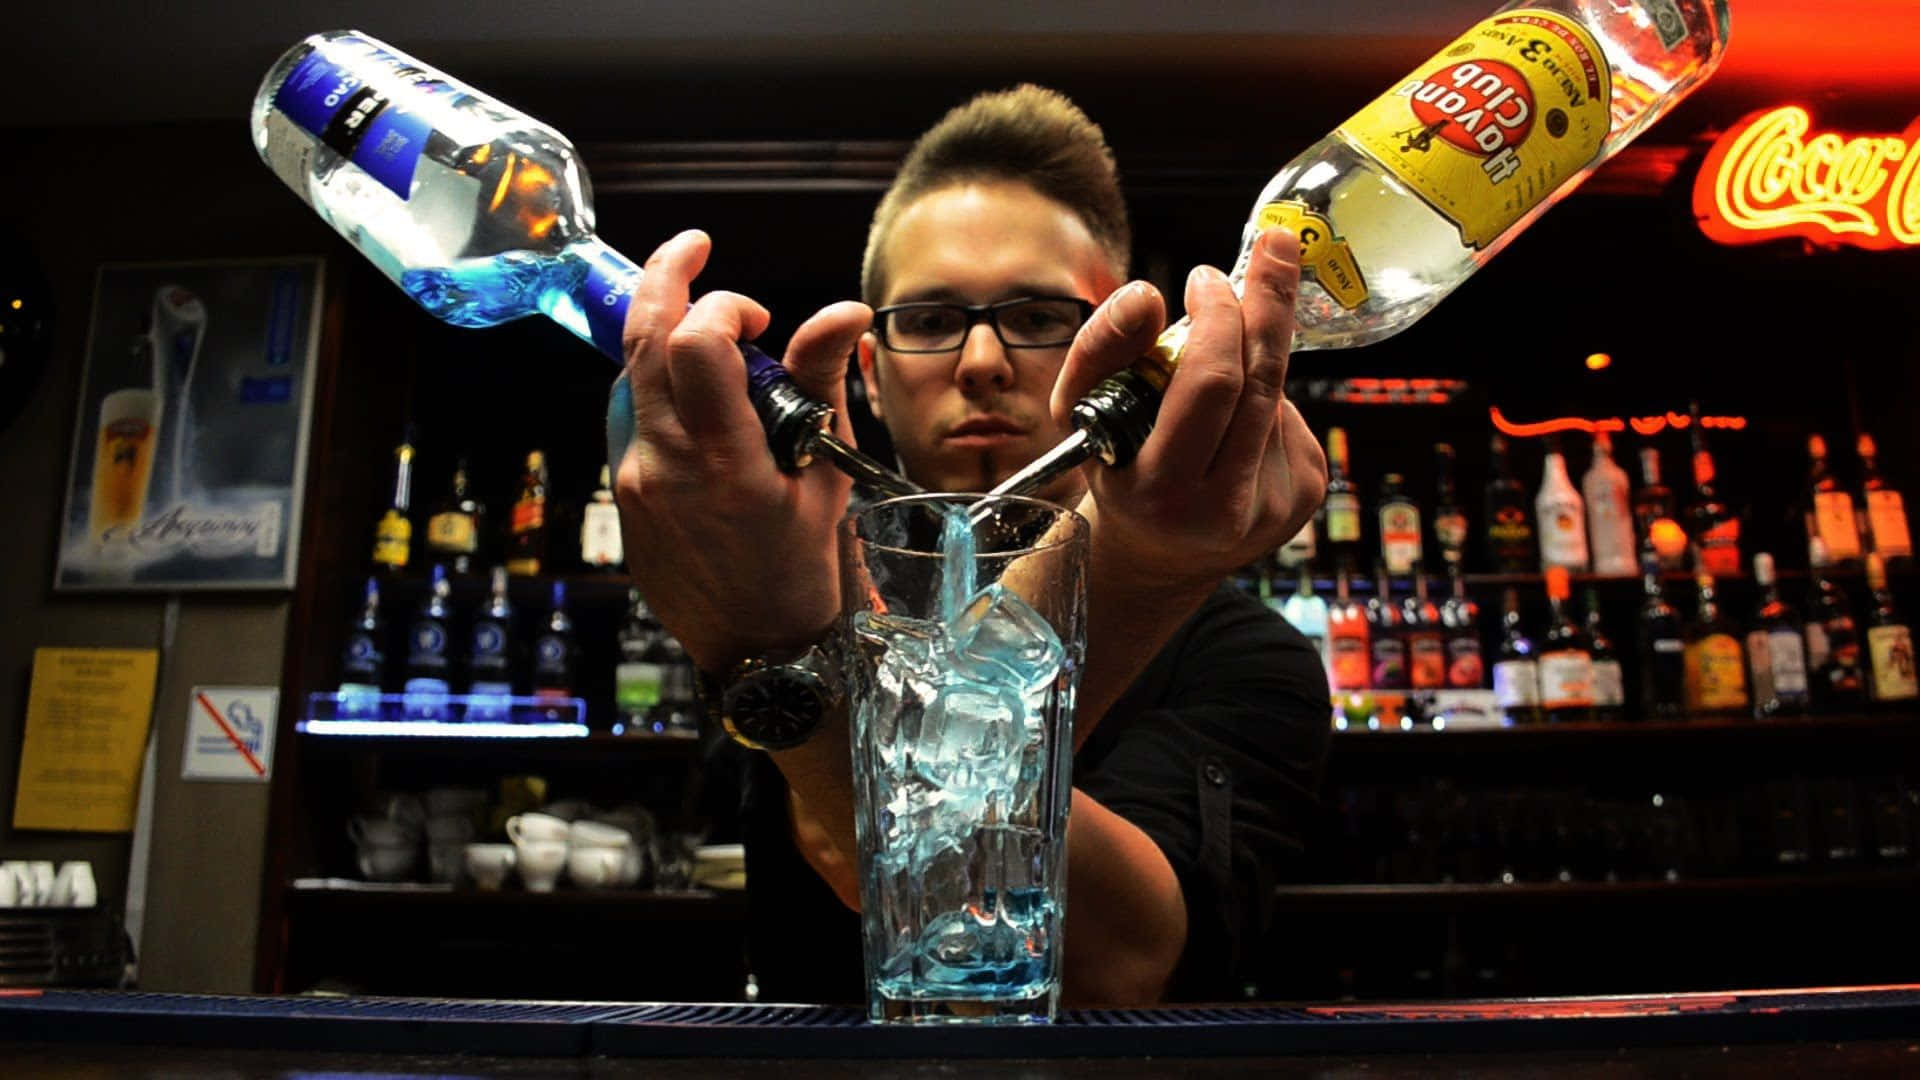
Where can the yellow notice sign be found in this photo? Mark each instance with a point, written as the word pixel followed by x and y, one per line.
pixel 87 717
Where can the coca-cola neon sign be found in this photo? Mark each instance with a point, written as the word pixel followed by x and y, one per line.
pixel 1768 178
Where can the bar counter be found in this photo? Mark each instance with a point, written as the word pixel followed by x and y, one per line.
pixel 1864 1031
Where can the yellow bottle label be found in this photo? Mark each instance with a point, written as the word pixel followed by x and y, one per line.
pixel 452 531
pixel 1322 252
pixel 1716 674
pixel 1894 678
pixel 1495 122
pixel 393 540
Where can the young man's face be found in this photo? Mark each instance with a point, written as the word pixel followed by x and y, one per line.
pixel 967 419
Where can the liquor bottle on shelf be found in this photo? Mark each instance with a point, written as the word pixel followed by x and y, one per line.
pixel 363 661
pixel 1466 667
pixel 678 714
pixel 1386 631
pixel 527 531
pixel 393 536
pixel 1449 518
pixel 429 669
pixel 1776 653
pixel 1609 680
pixel 1566 666
pixel 1561 514
pixel 1301 549
pixel 638 675
pixel 1349 638
pixel 1509 531
pixel 1342 503
pixel 1830 510
pixel 1609 519
pixel 1839 672
pixel 1716 670
pixel 454 530
pixel 1399 519
pixel 600 545
pixel 1308 613
pixel 553 657
pixel 1889 641
pixel 1426 638
pixel 1655 519
pixel 1663 648
pixel 490 654
pixel 1886 510
pixel 1516 667
pixel 1713 526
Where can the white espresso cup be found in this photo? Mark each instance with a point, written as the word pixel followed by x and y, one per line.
pixel 536 826
pixel 595 867
pixel 75 887
pixel 540 862
pixel 489 864
pixel 594 834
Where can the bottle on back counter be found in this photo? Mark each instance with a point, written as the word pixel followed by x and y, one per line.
pixel 1654 515
pixel 1308 613
pixel 363 661
pixel 1776 653
pixel 490 655
pixel 1609 679
pixel 1714 527
pixel 1386 631
pixel 429 667
pixel 1405 200
pixel 1342 503
pixel 1466 666
pixel 600 543
pixel 1562 515
pixel 1609 519
pixel 1349 638
pixel 637 677
pixel 1889 641
pixel 1449 519
pixel 527 528
pixel 1716 670
pixel 1516 669
pixel 1886 510
pixel 1510 540
pixel 1400 546
pixel 393 536
pixel 1839 672
pixel 454 530
pixel 553 656
pixel 1831 517
pixel 1663 648
pixel 1566 664
pixel 1426 637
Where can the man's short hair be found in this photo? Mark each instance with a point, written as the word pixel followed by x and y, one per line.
pixel 1028 134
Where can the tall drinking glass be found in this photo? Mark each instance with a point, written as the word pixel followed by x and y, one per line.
pixel 964 634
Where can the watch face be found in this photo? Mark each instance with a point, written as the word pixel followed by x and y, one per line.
pixel 776 710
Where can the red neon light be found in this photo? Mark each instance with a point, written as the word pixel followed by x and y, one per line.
pixel 1644 426
pixel 1768 177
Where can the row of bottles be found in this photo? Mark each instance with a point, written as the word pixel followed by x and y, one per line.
pixel 653 678
pixel 458 534
pixel 1603 525
pixel 1780 661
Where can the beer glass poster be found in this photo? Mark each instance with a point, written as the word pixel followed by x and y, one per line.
pixel 190 447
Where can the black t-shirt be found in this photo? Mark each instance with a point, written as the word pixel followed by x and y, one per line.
pixel 1215 752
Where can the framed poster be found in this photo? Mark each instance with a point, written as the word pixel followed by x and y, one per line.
pixel 190 450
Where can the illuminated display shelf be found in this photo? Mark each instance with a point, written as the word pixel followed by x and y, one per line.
pixel 465 716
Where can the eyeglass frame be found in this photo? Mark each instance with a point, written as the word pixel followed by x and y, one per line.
pixel 976 314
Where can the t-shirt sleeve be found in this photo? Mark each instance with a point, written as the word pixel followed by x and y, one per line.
pixel 1216 753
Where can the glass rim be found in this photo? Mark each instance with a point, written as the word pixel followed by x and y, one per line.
pixel 1081 529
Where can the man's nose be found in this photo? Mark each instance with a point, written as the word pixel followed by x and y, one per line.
pixel 984 363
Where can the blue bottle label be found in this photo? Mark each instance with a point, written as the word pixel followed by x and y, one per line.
pixel 611 279
pixel 429 646
pixel 328 95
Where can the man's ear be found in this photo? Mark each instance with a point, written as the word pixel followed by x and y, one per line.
pixel 870 372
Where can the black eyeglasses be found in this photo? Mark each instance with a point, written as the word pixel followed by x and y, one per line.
pixel 1028 322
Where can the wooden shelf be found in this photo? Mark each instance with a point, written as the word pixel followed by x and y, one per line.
pixel 1476 896
pixel 329 897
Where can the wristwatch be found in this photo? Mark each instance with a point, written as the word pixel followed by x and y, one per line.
pixel 774 702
